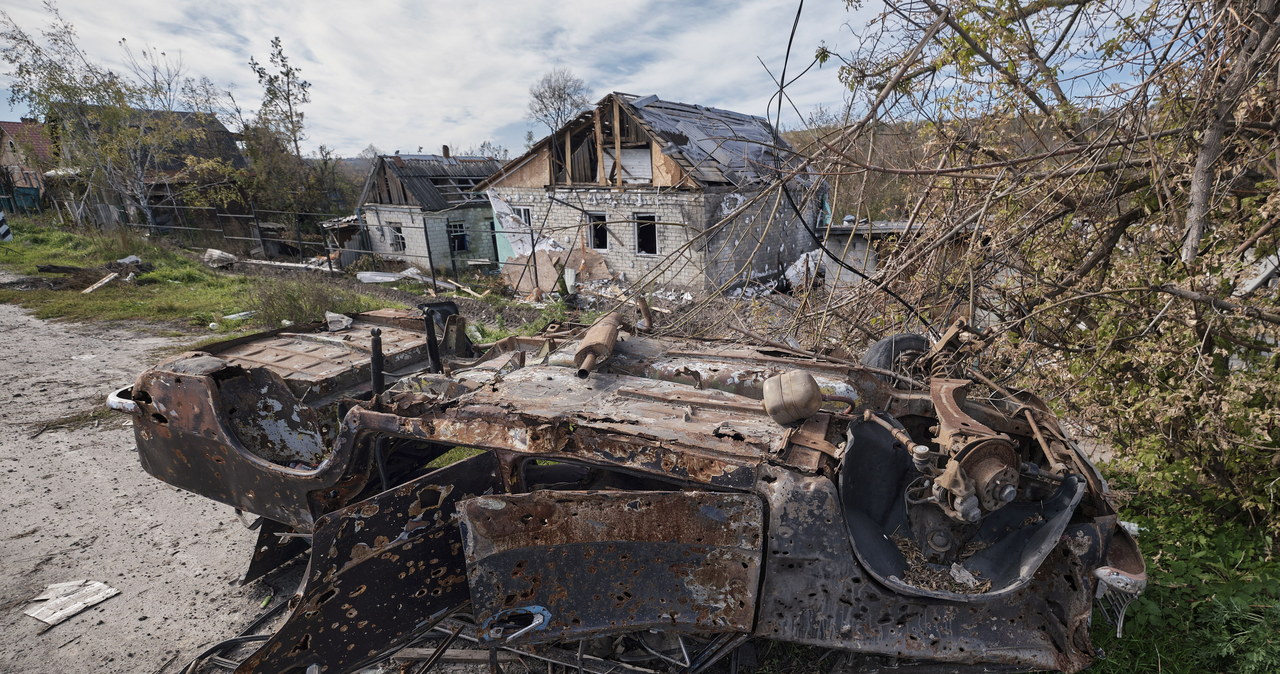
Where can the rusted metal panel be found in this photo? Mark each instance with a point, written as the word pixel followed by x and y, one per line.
pixel 318 364
pixel 570 565
pixel 206 426
pixel 816 592
pixel 381 570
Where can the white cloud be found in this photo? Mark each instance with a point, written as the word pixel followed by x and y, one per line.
pixel 406 74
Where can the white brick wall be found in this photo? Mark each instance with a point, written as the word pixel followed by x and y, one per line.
pixel 741 249
pixel 412 221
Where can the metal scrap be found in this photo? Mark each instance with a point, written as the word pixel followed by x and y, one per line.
pixel 63 600
pixel 651 513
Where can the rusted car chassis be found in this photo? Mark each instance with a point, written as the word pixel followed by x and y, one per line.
pixel 651 501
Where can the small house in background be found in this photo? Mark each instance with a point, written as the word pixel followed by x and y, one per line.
pixel 25 153
pixel 669 194
pixel 421 208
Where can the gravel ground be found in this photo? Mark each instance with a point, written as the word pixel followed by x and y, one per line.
pixel 77 505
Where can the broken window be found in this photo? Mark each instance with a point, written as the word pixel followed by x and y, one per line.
pixel 599 231
pixel 458 237
pixel 397 237
pixel 646 233
pixel 524 213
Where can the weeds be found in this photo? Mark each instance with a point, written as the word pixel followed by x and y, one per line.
pixel 1213 602
pixel 302 301
pixel 177 289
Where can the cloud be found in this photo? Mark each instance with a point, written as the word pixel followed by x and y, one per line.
pixel 406 74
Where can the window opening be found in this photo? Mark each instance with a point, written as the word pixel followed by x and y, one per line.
pixel 458 237
pixel 599 231
pixel 646 234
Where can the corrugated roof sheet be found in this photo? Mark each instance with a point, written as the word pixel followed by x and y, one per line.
pixel 438 182
pixel 714 145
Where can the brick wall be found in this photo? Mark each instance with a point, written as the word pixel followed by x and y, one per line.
pixel 413 221
pixel 756 243
pixel 678 214
pixel 760 240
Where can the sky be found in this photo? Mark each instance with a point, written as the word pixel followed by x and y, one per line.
pixel 407 75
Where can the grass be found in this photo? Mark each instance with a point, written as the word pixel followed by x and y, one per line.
pixel 76 420
pixel 179 290
pixel 1213 599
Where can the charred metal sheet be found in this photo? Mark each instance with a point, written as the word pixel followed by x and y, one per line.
pixel 549 411
pixel 273 549
pixel 317 365
pixel 552 565
pixel 239 437
pixel 381 570
pixel 816 592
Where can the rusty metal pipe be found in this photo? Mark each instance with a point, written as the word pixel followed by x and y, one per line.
pixel 597 344
pixel 376 364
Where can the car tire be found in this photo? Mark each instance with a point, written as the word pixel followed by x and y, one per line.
pixel 885 354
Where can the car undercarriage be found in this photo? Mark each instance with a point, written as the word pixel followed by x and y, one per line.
pixel 626 501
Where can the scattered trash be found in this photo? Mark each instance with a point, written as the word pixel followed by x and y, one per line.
pixel 378 276
pixel 804 272
pixel 284 323
pixel 240 316
pixel 63 600
pixel 129 260
pixel 103 281
pixel 337 321
pixel 411 274
pixel 963 576
pixel 214 326
pixel 217 259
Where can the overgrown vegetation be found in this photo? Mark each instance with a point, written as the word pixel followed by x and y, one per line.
pixel 1213 604
pixel 302 301
pixel 178 288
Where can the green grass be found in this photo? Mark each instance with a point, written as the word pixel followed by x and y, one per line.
pixel 178 290
pixel 1213 599
pixel 454 455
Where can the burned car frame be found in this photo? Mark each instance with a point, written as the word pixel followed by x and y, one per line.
pixel 678 495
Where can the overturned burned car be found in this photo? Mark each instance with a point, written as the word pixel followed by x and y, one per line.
pixel 641 503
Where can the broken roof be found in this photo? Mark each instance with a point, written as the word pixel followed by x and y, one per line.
pixel 435 181
pixel 714 146
pixel 30 137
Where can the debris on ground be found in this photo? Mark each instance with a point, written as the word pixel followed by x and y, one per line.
pixel 551 270
pixel 218 259
pixel 101 282
pixel 63 600
pixel 337 322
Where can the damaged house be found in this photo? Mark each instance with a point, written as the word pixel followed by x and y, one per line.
pixel 666 193
pixel 24 149
pixel 421 208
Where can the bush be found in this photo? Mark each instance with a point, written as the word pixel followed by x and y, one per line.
pixel 1213 601
pixel 302 301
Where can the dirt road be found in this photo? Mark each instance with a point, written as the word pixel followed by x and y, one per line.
pixel 77 505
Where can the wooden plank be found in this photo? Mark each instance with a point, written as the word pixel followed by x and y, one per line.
pixel 568 157
pixel 600 175
pixel 104 281
pixel 617 142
